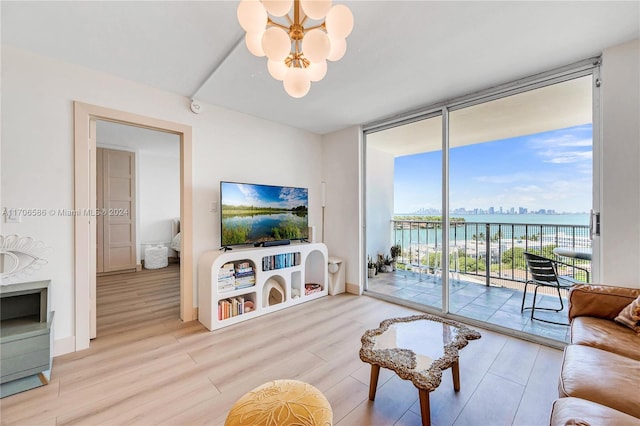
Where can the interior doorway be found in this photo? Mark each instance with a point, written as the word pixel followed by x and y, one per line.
pixel 85 118
pixel 138 192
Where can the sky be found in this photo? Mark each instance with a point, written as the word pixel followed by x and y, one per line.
pixel 550 170
pixel 243 194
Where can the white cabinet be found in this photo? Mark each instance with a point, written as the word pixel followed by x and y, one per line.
pixel 284 276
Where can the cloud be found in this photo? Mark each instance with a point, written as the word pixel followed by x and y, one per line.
pixel 560 141
pixel 502 179
pixel 249 192
pixel 291 194
pixel 567 157
pixel 563 149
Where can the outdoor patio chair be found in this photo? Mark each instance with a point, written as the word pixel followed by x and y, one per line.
pixel 544 273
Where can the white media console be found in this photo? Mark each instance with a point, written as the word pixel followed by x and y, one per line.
pixel 284 276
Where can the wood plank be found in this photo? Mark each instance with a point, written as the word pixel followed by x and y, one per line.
pixel 494 402
pixel 147 367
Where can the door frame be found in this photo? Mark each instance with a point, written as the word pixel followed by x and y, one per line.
pixel 84 198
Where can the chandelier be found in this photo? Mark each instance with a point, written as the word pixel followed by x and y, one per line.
pixel 298 48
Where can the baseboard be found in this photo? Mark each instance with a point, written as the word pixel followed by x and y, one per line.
pixel 195 314
pixel 353 289
pixel 139 267
pixel 64 346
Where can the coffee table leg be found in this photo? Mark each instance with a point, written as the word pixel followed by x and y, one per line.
pixel 425 410
pixel 455 371
pixel 373 383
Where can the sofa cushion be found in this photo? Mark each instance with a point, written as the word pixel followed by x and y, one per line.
pixel 605 334
pixel 630 315
pixel 602 377
pixel 601 301
pixel 577 411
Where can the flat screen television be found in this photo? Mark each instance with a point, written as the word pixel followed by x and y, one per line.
pixel 256 214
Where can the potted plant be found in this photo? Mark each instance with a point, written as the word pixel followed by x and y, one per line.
pixel 386 264
pixel 371 267
pixel 395 252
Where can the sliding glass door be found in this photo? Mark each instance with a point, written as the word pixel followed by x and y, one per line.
pixel 521 173
pixel 463 190
pixel 404 201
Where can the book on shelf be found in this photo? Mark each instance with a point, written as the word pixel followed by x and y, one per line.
pixel 245 279
pixel 245 274
pixel 231 307
pixel 226 288
pixel 241 286
pixel 242 265
pixel 279 261
pixel 240 301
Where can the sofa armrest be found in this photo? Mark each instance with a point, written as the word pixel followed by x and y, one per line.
pixel 600 301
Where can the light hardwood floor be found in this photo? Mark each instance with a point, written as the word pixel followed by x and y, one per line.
pixel 146 367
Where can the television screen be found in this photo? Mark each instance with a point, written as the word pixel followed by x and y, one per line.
pixel 253 213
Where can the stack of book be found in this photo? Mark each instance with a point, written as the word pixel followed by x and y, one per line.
pixel 245 276
pixel 226 278
pixel 231 307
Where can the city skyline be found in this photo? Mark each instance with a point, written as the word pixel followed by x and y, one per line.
pixel 544 171
pixel 491 211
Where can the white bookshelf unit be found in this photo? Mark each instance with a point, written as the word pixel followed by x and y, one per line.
pixel 282 274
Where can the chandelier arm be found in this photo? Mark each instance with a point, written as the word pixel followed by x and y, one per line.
pixel 314 28
pixel 275 24
pixel 288 19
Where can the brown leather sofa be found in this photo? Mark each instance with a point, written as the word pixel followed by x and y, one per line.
pixel 601 366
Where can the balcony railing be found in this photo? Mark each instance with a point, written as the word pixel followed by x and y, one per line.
pixel 494 251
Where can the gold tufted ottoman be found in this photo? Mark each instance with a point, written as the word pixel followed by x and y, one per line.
pixel 281 403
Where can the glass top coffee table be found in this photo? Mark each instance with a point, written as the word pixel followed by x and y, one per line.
pixel 416 348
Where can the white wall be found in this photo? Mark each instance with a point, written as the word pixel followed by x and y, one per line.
pixel 620 210
pixel 37 158
pixel 159 194
pixel 379 197
pixel 343 225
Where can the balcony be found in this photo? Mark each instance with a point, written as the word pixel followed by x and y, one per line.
pixel 487 271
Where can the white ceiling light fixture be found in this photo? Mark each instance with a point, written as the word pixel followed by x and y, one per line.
pixel 297 55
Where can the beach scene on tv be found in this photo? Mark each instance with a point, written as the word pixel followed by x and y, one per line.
pixel 257 213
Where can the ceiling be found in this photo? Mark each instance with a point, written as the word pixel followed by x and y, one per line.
pixel 558 106
pixel 401 54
